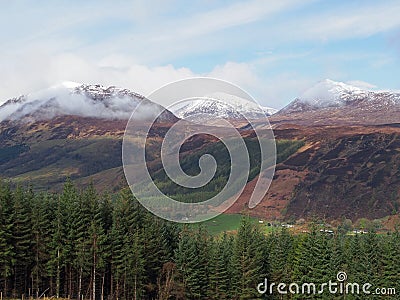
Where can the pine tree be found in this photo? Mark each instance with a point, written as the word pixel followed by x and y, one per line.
pixel 281 250
pixel 170 234
pixel 106 215
pixel 222 268
pixel 135 262
pixel 96 239
pixel 192 258
pixel 338 260
pixel 22 239
pixel 312 262
pixel 127 253
pixel 41 220
pixel 371 260
pixel 66 237
pixel 250 260
pixel 7 252
pixel 61 238
pixel 82 244
pixel 156 253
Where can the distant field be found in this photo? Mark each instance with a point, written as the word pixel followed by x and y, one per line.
pixel 230 223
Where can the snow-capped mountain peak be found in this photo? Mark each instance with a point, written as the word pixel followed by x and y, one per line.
pixel 331 94
pixel 221 106
pixel 71 98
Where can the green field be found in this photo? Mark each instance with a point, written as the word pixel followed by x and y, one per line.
pixel 231 222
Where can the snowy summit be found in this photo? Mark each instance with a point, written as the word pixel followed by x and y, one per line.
pixel 71 98
pixel 221 106
pixel 329 93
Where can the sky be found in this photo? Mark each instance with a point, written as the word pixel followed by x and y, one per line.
pixel 274 50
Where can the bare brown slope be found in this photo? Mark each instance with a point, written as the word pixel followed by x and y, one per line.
pixel 342 171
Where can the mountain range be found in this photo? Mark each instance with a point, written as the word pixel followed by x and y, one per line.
pixel 338 100
pixel 338 145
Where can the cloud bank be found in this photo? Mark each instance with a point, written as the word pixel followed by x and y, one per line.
pixel 272 49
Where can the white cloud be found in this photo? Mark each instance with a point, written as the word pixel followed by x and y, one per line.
pixel 222 18
pixel 35 72
pixel 259 24
pixel 38 71
pixel 56 44
pixel 163 37
pixel 346 22
pixel 242 74
pixel 362 84
pixel 285 87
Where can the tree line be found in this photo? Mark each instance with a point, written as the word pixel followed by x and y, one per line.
pixel 85 245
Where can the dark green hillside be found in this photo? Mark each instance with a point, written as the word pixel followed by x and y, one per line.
pixel 85 150
pixel 189 163
pixel 49 162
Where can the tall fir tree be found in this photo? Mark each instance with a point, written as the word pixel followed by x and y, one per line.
pixel 41 219
pixel 250 260
pixel 7 249
pixel 22 239
pixel 222 269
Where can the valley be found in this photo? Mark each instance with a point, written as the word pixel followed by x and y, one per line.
pixel 333 162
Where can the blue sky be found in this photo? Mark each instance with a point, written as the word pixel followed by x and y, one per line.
pixel 273 49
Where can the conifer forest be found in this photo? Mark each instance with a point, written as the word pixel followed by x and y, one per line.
pixel 85 245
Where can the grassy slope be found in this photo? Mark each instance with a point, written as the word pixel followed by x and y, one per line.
pixel 47 163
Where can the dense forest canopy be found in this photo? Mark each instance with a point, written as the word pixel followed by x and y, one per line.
pixel 81 244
